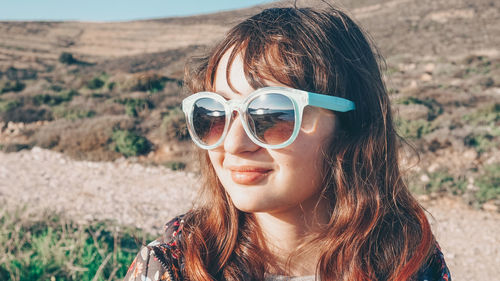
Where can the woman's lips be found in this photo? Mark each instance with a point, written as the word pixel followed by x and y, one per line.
pixel 248 175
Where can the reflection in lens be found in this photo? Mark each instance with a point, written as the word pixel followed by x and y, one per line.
pixel 271 118
pixel 209 119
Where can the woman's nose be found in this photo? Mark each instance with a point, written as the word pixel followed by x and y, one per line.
pixel 237 140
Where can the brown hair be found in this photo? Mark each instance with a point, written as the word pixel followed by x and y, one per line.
pixel 377 230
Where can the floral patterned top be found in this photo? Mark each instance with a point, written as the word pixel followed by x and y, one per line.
pixel 162 259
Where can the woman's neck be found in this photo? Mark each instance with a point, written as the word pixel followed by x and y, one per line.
pixel 286 231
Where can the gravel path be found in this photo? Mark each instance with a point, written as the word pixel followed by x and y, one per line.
pixel 128 192
pixel 148 196
pixel 469 238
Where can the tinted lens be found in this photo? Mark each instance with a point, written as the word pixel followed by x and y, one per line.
pixel 209 119
pixel 271 118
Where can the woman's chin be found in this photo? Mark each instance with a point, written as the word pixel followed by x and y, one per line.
pixel 259 205
pixel 251 206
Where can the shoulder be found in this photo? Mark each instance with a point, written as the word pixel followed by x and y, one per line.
pixel 435 269
pixel 161 259
pixel 171 235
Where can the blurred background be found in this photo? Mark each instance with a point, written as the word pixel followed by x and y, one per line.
pixel 95 155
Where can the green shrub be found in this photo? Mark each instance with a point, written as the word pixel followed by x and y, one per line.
pixel 46 99
pixel 475 65
pixel 439 182
pixel 56 88
pixel 175 165
pixel 130 110
pixel 413 129
pixel 488 116
pixel 488 184
pixel 111 86
pixel 98 95
pixel 68 95
pixel 174 125
pixel 72 113
pixel 8 105
pixel 67 58
pixel 48 247
pixel 481 142
pixel 129 143
pixel 435 109
pixel 53 100
pixel 134 106
pixel 486 82
pixel 88 139
pixel 148 82
pixel 10 86
pixel 95 83
pixel 26 114
pixel 442 181
pixel 15 147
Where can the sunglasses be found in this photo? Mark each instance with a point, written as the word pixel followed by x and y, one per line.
pixel 271 116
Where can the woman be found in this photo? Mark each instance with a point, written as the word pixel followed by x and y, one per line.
pixel 300 162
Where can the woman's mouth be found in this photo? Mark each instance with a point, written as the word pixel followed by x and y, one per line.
pixel 248 175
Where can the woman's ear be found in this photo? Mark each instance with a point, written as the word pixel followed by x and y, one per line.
pixel 312 116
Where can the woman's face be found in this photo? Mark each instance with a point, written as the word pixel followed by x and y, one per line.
pixel 266 180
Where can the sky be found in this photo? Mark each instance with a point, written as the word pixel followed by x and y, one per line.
pixel 114 10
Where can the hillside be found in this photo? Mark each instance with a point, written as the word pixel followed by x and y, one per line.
pixel 101 91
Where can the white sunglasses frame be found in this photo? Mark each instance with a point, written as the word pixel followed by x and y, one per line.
pixel 299 99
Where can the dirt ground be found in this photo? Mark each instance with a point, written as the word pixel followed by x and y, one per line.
pixel 148 196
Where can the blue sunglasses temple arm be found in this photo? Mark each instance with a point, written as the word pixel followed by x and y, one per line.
pixel 330 102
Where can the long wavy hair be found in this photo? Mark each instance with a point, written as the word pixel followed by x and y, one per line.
pixel 376 229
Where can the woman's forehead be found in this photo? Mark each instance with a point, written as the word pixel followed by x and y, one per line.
pixel 236 77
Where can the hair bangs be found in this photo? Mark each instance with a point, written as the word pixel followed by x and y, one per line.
pixel 269 54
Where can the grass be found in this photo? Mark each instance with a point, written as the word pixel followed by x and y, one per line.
pixel 8 105
pixel 486 121
pixel 413 129
pixel 479 65
pixel 485 187
pixel 49 247
pixel 416 129
pixel 486 116
pixel 10 86
pixel 434 108
pixel 439 182
pixel 129 143
pixel 488 184
pixel 482 141
pixel 175 165
pixel 95 83
pixel 134 106
pixel 72 113
pixel 111 86
pixel 174 125
pixel 148 82
pixel 56 99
